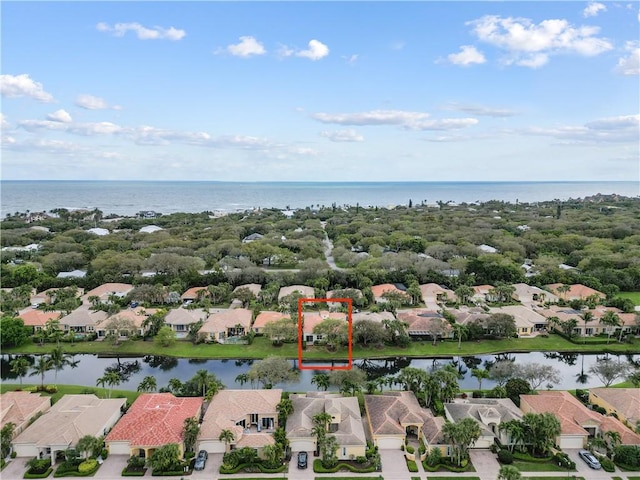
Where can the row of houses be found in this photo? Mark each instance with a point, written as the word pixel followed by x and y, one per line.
pixel 391 419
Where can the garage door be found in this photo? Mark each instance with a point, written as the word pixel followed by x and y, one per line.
pixel 389 443
pixel 303 445
pixel 571 441
pixel 119 448
pixel 212 446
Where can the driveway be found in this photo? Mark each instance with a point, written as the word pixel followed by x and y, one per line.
pixel 296 473
pixel 394 467
pixel 15 469
pixel 584 470
pixel 485 463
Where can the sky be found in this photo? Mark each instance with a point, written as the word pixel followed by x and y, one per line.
pixel 320 91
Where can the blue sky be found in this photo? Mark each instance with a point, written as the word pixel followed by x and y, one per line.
pixel 326 91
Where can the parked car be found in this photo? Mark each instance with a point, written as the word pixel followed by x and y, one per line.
pixel 201 460
pixel 589 459
pixel 302 459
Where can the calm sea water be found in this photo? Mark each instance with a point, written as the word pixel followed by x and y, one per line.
pixel 128 198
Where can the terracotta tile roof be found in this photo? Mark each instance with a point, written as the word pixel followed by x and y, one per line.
pixel 192 293
pixel 255 288
pixel 107 289
pixel 231 406
pixel 306 292
pixel 267 316
pixel 183 316
pixel 575 291
pixel 311 319
pixel 573 414
pixel 430 291
pixel 221 321
pixel 18 407
pixel 422 321
pixel 372 316
pixel 38 318
pixel 482 289
pixel 155 419
pixel 523 316
pixel 357 293
pixel 625 400
pixel 379 290
pixel 82 317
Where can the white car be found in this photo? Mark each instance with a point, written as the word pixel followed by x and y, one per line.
pixel 590 459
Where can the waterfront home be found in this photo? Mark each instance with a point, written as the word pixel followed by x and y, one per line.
pixel 578 422
pixel 250 415
pixel 378 317
pixel 394 417
pixel 266 317
pixel 379 292
pixel 425 323
pixel 528 322
pixel 20 408
pixel 313 319
pixel 623 402
pixel 345 424
pixel 593 326
pixel 226 326
pixel 488 413
pixel 82 320
pixel 67 421
pixel 152 421
pixel 574 292
pixel 181 319
pixel 115 324
pixel 37 319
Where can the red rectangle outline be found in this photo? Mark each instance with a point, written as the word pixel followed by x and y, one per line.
pixel 349 364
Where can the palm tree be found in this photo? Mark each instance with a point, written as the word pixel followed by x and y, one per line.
pixel 202 378
pixel 89 445
pixel 175 385
pixel 464 293
pixel 321 381
pixel 59 360
pixel 461 331
pixel 148 384
pixel 41 367
pixel 516 431
pixel 509 472
pixel 610 319
pixel 285 408
pixel 227 437
pixel 613 440
pixel 480 374
pixel 190 432
pixel 242 378
pixel 586 318
pixel 20 366
pixel 110 379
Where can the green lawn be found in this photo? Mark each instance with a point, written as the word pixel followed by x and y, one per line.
pixel 550 478
pixel 262 347
pixel 431 477
pixel 537 467
pixel 76 389
pixel 633 478
pixel 379 477
pixel 634 296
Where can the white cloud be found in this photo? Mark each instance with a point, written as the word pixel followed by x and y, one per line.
pixel 348 135
pixel 480 110
pixel 374 117
pixel 593 9
pixel 4 124
pixel 530 45
pixel 468 55
pixel 247 47
pixel 142 32
pixel 60 116
pixel 14 86
pixel 351 59
pixel 91 102
pixel 444 124
pixel 316 51
pixel 630 65
pixel 620 129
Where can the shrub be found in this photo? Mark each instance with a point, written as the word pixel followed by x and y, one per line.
pixel 505 456
pixel 14 454
pixel 412 466
pixel 136 462
pixel 104 453
pixel 410 449
pixel 361 459
pixel 628 456
pixel 45 474
pixel 563 460
pixel 88 466
pixel 434 457
pixel 607 464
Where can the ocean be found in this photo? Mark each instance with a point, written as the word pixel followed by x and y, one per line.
pixel 130 197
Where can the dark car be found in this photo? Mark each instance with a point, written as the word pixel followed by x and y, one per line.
pixel 589 459
pixel 302 459
pixel 201 460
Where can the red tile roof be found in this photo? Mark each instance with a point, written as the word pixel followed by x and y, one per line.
pixel 38 318
pixel 155 419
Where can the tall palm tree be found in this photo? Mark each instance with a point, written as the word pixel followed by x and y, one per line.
pixel 321 381
pixel 59 360
pixel 41 367
pixel 586 318
pixel 175 385
pixel 20 366
pixel 610 319
pixel 110 379
pixel 242 378
pixel 148 384
pixel 480 374
pixel 202 378
pixel 227 437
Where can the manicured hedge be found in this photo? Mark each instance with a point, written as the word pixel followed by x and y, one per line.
pixel 134 473
pixel 318 468
pixel 262 468
pixel 412 466
pixel 38 475
pixel 451 468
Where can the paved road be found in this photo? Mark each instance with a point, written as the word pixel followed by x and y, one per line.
pixel 328 250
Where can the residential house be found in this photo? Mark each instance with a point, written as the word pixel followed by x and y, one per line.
pixel 425 323
pixel 20 407
pixel 380 290
pixel 194 293
pixel 251 415
pixel 135 316
pixel 483 294
pixel 578 422
pixel 72 274
pixel 37 319
pixel 575 292
pixel 105 291
pixel 345 425
pixel 394 416
pixel 593 326
pixel 528 322
pixel 67 421
pixel 488 413
pixel 466 315
pixel 226 326
pixel 532 296
pixel 312 319
pixel 266 317
pixel 254 288
pixel 303 290
pixel 372 316
pixel 153 420
pixel 181 319
pixel 434 294
pixel 82 320
pixel 623 402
